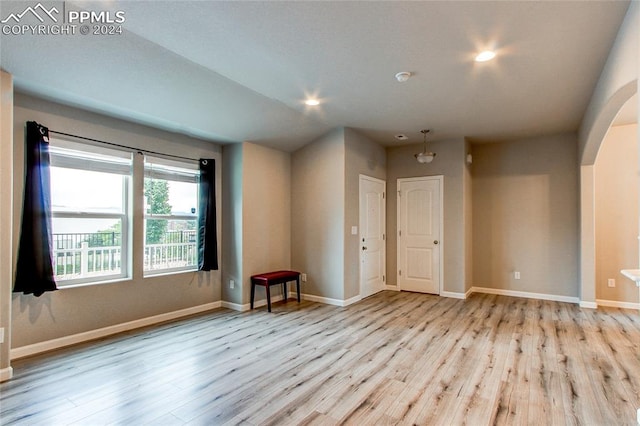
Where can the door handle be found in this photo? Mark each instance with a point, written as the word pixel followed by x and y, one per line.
pixel 364 248
pixel 436 242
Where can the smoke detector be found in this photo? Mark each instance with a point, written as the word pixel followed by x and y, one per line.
pixel 401 137
pixel 403 76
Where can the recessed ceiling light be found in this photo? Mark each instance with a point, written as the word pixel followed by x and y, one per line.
pixel 403 76
pixel 485 56
pixel 401 137
pixel 312 102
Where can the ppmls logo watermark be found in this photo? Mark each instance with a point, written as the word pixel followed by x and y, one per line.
pixel 54 18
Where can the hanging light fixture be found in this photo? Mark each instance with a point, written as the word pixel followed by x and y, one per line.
pixel 425 156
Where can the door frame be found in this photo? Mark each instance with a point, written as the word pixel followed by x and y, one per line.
pixel 362 177
pixel 440 180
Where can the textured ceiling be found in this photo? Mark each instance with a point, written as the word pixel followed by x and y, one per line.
pixel 239 71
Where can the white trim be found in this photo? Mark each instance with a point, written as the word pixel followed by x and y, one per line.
pixel 73 339
pixel 351 301
pixel 525 294
pixel 256 304
pixel 392 288
pixel 453 295
pixel 468 293
pixel 6 374
pixel 330 301
pixel 235 306
pixel 588 305
pixel 617 304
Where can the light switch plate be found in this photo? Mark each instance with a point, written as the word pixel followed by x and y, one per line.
pixel 354 230
pixel 1 334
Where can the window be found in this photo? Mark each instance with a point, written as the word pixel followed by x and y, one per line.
pixel 90 209
pixel 171 216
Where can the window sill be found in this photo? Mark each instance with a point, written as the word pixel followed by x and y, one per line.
pixel 93 283
pixel 168 272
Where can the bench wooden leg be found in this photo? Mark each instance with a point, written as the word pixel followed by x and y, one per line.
pixel 284 291
pixel 298 287
pixel 253 292
pixel 268 297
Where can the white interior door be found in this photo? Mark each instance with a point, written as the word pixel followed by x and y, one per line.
pixel 372 238
pixel 419 228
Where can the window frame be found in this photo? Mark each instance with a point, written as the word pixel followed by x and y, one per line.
pixel 170 170
pixel 86 157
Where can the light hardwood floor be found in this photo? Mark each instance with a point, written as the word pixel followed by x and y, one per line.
pixel 394 358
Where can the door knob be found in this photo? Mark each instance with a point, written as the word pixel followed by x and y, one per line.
pixel 364 248
pixel 436 242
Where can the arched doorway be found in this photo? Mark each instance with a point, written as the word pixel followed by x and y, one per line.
pixel 617 189
pixel 598 130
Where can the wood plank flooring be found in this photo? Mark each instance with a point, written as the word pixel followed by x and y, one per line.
pixel 393 358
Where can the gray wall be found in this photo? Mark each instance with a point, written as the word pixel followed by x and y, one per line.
pixel 525 215
pixel 232 220
pixel 75 310
pixel 362 156
pixel 616 207
pixel 618 82
pixel 450 163
pixel 318 215
pixel 468 218
pixel 266 214
pixel 6 213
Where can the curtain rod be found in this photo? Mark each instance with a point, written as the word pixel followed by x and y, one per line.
pixel 140 151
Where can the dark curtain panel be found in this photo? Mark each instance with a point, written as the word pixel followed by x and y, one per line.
pixel 34 272
pixel 207 227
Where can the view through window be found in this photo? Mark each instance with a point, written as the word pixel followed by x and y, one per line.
pixel 89 200
pixel 171 202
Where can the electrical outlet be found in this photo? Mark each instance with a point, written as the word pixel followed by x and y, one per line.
pixel 303 277
pixel 611 282
pixel 232 284
pixel 516 275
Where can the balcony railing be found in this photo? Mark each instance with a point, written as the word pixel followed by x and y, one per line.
pixel 88 255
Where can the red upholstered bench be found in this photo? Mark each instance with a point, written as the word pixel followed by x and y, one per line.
pixel 268 279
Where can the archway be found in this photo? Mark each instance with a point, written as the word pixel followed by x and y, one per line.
pixel 588 156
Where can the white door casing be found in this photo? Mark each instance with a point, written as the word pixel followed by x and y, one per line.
pixel 419 234
pixel 372 236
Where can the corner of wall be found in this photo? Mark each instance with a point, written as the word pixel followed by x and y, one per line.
pixel 318 214
pixel 6 219
pixel 232 163
pixel 266 211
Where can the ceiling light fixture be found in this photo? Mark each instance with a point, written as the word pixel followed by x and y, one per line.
pixel 403 76
pixel 425 156
pixel 485 56
pixel 312 102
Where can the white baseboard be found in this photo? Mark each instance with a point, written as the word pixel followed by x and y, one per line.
pixel 235 306
pixel 73 339
pixel 393 288
pixel 247 306
pixel 525 294
pixel 617 304
pixel 330 301
pixel 588 305
pixel 351 301
pixel 6 374
pixel 453 295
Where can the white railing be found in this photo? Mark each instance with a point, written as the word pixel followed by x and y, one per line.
pixel 88 262
pixel 169 256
